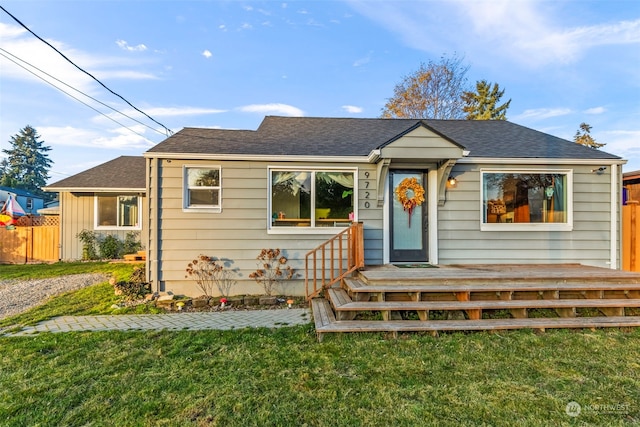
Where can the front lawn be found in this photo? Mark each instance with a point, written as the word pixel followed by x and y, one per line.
pixel 284 377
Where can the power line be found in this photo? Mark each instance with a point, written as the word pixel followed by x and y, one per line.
pixel 73 97
pixel 73 88
pixel 168 131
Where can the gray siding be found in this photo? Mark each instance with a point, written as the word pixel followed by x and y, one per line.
pixel 240 231
pixel 77 214
pixel 461 241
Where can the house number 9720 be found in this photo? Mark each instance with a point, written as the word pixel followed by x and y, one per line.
pixel 367 194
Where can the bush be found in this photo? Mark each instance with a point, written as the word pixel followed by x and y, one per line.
pixel 110 247
pixel 131 243
pixel 271 270
pixel 89 241
pixel 210 272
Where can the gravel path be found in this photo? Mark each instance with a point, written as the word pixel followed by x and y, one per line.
pixel 17 296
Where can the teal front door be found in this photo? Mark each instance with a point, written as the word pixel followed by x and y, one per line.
pixel 408 235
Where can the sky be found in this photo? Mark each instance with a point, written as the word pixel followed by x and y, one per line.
pixel 228 64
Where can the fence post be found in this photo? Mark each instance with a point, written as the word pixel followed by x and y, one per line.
pixel 632 237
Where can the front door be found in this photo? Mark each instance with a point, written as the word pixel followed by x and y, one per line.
pixel 408 236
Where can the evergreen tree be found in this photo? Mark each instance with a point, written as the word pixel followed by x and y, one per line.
pixel 483 103
pixel 583 136
pixel 434 91
pixel 27 163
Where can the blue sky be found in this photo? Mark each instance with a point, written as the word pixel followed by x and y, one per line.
pixel 227 64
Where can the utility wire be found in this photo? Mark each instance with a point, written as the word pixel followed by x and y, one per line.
pixel 168 131
pixel 71 87
pixel 73 97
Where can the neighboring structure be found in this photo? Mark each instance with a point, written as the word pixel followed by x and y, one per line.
pixel 28 201
pixel 495 192
pixel 107 199
pixel 631 183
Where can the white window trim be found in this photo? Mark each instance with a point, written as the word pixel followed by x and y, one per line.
pixel 538 226
pixel 310 230
pixel 185 191
pixel 96 226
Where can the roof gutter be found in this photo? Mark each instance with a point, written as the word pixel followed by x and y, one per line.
pixel 540 160
pixel 94 190
pixel 258 158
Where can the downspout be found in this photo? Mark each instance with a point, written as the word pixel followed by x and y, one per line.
pixel 615 216
pixel 153 232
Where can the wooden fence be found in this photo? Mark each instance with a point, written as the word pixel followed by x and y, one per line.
pixel 25 244
pixel 630 240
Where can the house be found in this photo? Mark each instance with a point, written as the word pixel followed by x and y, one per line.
pixel 494 192
pixel 108 199
pixel 30 202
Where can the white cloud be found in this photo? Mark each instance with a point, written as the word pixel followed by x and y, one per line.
pixel 624 143
pixel 246 26
pixel 32 54
pixel 527 31
pixel 275 109
pixel 207 54
pixel 118 138
pixel 222 27
pixel 125 46
pixel 178 111
pixel 352 109
pixel 542 113
pixel 362 61
pixel 595 110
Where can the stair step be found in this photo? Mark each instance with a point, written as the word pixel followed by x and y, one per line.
pixel 477 325
pixel 341 302
pixel 355 285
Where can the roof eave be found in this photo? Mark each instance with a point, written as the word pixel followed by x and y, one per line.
pixel 540 160
pixel 257 157
pixel 93 190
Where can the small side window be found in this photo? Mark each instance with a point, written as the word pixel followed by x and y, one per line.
pixel 202 188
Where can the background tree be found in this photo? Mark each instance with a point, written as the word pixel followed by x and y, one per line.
pixel 583 136
pixel 27 163
pixel 483 103
pixel 434 91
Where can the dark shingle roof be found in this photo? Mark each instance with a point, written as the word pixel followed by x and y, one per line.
pixel 120 173
pixel 312 136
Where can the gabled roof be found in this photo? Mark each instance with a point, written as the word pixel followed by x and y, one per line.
pixel 19 192
pixel 330 137
pixel 122 173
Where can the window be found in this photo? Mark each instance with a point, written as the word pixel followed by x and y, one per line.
pixel 113 212
pixel 202 188
pixel 312 198
pixel 526 200
pixel 29 205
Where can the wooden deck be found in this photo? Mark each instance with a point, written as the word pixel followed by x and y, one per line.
pixel 567 295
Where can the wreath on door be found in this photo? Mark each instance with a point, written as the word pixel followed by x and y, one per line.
pixel 410 194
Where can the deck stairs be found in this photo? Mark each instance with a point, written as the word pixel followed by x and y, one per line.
pixel 472 298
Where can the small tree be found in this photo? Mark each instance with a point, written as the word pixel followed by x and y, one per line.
pixel 271 270
pixel 483 103
pixel 434 91
pixel 209 274
pixel 583 137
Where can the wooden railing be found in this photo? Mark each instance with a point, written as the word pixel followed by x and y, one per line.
pixel 334 259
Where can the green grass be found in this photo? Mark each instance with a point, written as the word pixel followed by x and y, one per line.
pixel 41 271
pixel 284 377
pixel 97 299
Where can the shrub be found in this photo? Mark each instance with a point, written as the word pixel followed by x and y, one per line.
pixel 271 270
pixel 110 247
pixel 131 243
pixel 209 274
pixel 89 241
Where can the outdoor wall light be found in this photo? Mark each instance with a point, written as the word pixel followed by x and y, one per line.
pixel 452 181
pixel 600 170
